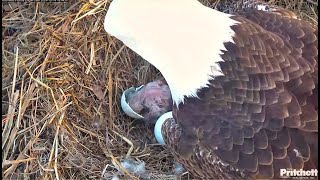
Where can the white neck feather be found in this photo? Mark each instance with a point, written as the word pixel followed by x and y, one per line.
pixel 181 38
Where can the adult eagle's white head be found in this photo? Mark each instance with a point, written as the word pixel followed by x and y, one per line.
pixel 244 86
pixel 176 36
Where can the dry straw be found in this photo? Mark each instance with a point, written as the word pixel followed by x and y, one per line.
pixel 62 77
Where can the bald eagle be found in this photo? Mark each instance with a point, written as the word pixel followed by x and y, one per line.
pixel 244 86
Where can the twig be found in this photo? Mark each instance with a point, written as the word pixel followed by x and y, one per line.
pixel 91 58
pixel 128 141
pixel 312 2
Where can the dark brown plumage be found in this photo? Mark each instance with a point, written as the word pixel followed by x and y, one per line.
pixel 262 115
pixel 241 5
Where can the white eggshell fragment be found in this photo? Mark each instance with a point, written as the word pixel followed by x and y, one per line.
pixel 158 126
pixel 124 103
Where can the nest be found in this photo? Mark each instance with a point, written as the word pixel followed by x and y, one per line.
pixel 62 79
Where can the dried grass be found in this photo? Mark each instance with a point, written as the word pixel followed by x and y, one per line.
pixel 62 78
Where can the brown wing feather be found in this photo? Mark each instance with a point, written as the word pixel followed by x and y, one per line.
pixel 246 5
pixel 261 115
pixel 200 159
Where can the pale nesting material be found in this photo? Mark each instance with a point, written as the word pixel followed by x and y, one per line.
pixel 178 168
pixel 115 177
pixel 134 167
